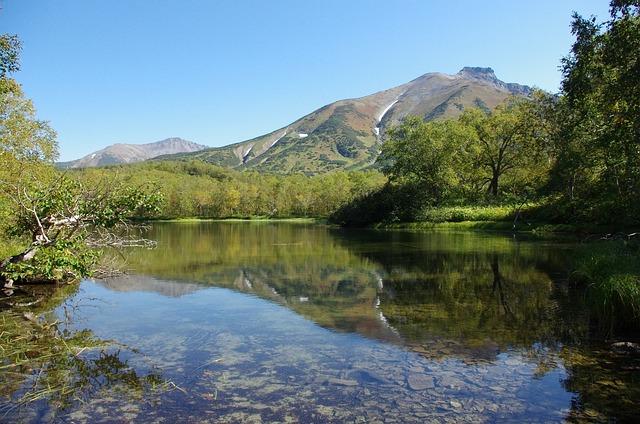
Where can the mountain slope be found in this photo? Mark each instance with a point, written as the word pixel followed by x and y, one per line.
pixel 347 134
pixel 128 153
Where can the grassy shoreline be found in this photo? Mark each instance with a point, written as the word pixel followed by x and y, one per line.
pixel 504 225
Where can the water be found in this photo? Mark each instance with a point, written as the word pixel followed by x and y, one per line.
pixel 285 322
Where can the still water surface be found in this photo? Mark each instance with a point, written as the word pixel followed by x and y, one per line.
pixel 275 322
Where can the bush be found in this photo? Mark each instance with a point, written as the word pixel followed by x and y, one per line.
pixel 367 210
pixel 468 213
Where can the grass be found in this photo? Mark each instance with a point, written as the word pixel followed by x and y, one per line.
pixel 487 218
pixel 610 272
pixel 11 246
pixel 464 225
pixel 469 213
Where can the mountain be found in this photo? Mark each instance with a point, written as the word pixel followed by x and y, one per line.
pixel 128 153
pixel 347 134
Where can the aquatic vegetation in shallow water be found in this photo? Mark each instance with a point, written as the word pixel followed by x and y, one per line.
pixel 43 360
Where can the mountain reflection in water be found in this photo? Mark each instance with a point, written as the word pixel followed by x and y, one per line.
pixel 289 322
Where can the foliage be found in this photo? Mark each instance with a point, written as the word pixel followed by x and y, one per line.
pixel 61 218
pixel 508 143
pixel 27 145
pixel 611 272
pixel 195 189
pixel 55 215
pixel 480 158
pixel 469 213
pixel 24 139
pixel 600 125
pixel 424 155
pixel 66 259
pixel 577 151
pixel 371 208
pixel 10 47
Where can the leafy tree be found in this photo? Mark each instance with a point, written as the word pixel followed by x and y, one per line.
pixel 27 144
pixel 61 219
pixel 507 143
pixel 601 113
pixel 425 156
pixel 57 217
pixel 10 47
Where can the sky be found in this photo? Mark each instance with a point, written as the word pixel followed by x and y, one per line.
pixel 220 72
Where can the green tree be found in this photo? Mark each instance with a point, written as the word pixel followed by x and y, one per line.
pixel 424 156
pixel 507 143
pixel 27 144
pixel 62 219
pixel 232 197
pixel 601 114
pixel 56 216
pixel 10 47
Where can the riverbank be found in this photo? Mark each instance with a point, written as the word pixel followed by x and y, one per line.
pixel 589 232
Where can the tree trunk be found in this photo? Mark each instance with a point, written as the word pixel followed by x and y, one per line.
pixel 493 185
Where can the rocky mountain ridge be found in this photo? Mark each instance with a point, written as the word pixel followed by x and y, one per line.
pixel 129 153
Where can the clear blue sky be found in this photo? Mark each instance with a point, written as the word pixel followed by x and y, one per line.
pixel 219 72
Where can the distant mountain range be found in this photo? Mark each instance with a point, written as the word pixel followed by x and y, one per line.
pixel 347 134
pixel 129 153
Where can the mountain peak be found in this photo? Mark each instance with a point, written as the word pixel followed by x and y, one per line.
pixel 478 73
pixel 344 135
pixel 487 74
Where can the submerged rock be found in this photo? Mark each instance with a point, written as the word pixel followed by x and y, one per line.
pixel 420 382
pixel 342 382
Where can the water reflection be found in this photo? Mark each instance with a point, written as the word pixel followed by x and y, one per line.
pixel 46 367
pixel 241 359
pixel 282 322
pixel 478 290
pixel 444 295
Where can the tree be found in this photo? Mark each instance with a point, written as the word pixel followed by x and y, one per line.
pixel 62 219
pixel 424 155
pixel 26 143
pixel 57 217
pixel 10 47
pixel 601 110
pixel 507 141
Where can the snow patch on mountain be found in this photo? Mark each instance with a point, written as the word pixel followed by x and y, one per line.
pixel 278 139
pixel 384 112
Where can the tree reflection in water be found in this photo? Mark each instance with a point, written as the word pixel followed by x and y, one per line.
pixel 483 310
pixel 45 367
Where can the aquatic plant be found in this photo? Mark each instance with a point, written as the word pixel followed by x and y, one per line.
pixel 42 359
pixel 610 272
